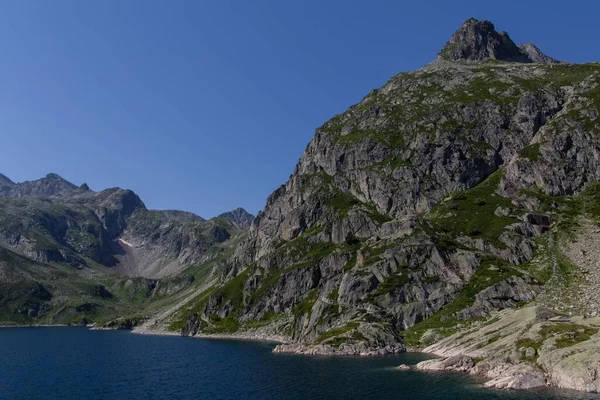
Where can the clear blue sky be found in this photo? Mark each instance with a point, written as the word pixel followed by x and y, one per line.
pixel 206 106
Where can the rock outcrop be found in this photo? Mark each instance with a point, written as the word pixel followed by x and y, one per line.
pixel 479 41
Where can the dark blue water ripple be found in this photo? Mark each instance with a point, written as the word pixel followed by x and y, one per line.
pixel 73 363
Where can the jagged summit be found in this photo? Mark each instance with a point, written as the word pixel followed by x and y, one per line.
pixel 478 40
pixel 239 216
pixel 50 185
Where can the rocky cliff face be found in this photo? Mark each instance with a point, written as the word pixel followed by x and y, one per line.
pixel 423 203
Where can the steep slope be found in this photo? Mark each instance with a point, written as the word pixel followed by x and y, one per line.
pixel 412 202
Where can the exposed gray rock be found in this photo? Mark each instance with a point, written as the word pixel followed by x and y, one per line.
pixel 478 41
pixel 505 294
pixel 191 326
pixel 454 363
pixel 536 55
pixel 345 349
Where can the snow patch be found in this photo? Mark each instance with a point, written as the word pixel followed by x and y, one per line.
pixel 126 243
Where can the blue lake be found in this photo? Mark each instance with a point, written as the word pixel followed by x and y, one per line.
pixel 74 363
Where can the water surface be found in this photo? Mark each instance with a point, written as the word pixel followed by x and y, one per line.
pixel 74 363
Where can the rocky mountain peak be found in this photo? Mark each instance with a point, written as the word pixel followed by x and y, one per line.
pixel 239 216
pixel 478 40
pixel 57 179
pixel 50 185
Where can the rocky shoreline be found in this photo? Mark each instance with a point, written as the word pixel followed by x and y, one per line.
pixel 243 336
pixel 346 349
pixel 524 349
pixel 283 343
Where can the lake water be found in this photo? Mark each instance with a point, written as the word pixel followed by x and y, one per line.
pixel 74 363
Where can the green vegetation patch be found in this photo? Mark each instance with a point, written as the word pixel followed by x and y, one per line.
pixel 306 305
pixel 228 324
pixel 372 254
pixel 266 319
pixel 337 332
pixel 567 334
pixel 395 280
pixel 531 152
pixel 529 343
pixel 431 279
pixel 233 290
pixel 471 213
pixel 343 203
pixel 482 88
pixel 491 271
pixel 558 75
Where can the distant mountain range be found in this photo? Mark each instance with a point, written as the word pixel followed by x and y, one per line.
pixel 53 222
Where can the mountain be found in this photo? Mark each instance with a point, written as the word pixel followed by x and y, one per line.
pixel 455 209
pixel 60 240
pixel 238 216
pixel 446 198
